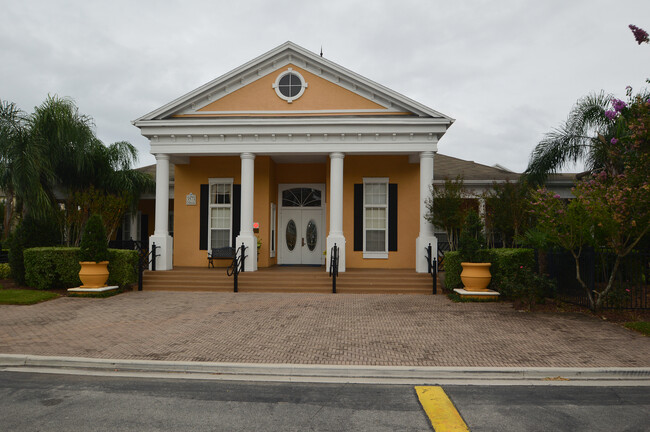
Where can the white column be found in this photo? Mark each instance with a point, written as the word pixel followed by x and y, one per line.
pixel 336 210
pixel 246 235
pixel 426 236
pixel 161 237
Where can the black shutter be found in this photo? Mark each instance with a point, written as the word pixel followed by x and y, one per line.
pixel 236 212
pixel 392 217
pixel 144 230
pixel 358 217
pixel 203 219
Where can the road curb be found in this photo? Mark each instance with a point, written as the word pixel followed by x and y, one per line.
pixel 332 373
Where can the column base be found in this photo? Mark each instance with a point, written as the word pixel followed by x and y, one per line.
pixel 250 241
pixel 340 243
pixel 164 250
pixel 421 245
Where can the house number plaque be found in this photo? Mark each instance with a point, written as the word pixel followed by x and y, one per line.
pixel 190 199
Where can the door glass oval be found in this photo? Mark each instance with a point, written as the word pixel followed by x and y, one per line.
pixel 312 235
pixel 291 234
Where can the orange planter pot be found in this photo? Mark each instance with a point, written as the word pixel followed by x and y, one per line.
pixel 92 274
pixel 476 276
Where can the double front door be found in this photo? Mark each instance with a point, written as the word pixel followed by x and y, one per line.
pixel 301 230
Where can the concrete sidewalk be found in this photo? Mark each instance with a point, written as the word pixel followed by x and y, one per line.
pixel 315 329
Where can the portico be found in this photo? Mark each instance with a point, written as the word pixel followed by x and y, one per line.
pixel 295 165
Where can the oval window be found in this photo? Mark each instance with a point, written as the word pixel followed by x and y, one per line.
pixel 312 235
pixel 291 235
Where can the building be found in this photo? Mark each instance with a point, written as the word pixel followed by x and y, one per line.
pixel 301 154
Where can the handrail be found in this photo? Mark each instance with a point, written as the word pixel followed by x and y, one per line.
pixel 145 258
pixel 237 265
pixel 432 267
pixel 334 266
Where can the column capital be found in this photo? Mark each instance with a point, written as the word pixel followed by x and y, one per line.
pixel 337 155
pixel 161 156
pixel 247 156
pixel 426 155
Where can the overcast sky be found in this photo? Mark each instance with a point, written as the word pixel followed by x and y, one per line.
pixel 507 71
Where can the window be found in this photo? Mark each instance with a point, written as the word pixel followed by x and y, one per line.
pixel 375 218
pixel 220 213
pixel 289 85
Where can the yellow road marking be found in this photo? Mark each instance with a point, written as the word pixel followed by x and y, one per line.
pixel 441 411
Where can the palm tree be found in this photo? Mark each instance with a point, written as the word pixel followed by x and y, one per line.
pixel 582 137
pixel 55 149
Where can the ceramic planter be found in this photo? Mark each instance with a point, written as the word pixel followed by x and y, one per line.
pixel 93 274
pixel 476 276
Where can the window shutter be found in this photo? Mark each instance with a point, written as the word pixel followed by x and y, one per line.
pixel 392 217
pixel 358 217
pixel 203 219
pixel 236 212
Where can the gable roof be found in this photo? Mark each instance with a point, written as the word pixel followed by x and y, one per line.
pixel 290 54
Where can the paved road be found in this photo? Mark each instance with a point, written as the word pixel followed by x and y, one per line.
pixel 42 402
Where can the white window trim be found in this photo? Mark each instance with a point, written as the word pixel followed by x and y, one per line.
pixel 213 181
pixel 375 254
pixel 276 85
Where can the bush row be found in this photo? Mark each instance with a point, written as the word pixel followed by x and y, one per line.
pixel 505 263
pixel 58 267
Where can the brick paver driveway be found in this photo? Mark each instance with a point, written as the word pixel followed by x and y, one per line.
pixel 315 329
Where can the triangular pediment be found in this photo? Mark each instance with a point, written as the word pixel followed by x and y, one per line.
pixel 330 90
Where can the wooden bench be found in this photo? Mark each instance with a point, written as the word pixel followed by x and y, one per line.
pixel 220 253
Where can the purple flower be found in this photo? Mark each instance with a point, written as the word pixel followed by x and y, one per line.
pixel 613 141
pixel 639 34
pixel 557 196
pixel 611 114
pixel 618 104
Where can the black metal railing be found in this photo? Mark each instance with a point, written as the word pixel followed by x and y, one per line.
pixel 432 267
pixel 145 257
pixel 334 266
pixel 237 266
pixel 631 287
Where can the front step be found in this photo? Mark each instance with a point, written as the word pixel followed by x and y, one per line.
pixel 290 279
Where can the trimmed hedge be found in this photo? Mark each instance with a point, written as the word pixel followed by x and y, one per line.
pixel 58 267
pixel 505 262
pixel 5 271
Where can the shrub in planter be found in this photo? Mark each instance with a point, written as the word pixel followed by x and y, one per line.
pixel 93 254
pixel 94 246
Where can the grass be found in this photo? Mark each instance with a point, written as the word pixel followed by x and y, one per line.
pixel 24 297
pixel 640 326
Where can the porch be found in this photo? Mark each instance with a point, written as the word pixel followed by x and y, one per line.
pixel 293 279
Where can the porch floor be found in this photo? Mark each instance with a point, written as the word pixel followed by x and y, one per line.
pixel 290 279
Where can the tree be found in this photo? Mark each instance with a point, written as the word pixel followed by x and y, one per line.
pixel 580 137
pixel 55 148
pixel 507 209
pixel 446 208
pixel 585 135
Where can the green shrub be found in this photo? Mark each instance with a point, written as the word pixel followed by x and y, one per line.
pixel 58 267
pixel 123 267
pixel 30 233
pixel 5 271
pixel 453 270
pixel 471 238
pixel 505 262
pixel 94 246
pixel 527 286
